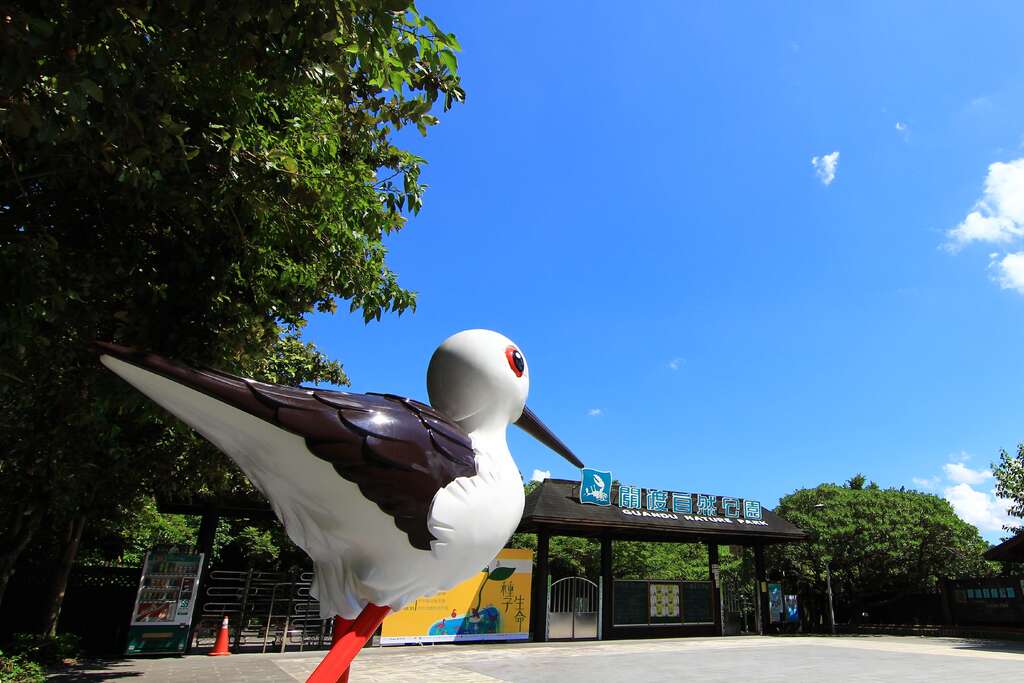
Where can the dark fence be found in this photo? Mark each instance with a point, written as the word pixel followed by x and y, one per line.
pixel 268 611
pixel 993 600
pixel 996 601
pixel 899 608
pixel 912 609
pixel 97 606
pixel 274 611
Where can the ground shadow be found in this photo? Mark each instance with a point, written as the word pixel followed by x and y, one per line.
pixel 1008 646
pixel 92 670
pixel 958 642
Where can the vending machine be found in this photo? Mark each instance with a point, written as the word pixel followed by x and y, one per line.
pixel 164 604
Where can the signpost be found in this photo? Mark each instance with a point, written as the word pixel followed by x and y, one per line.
pixel 164 603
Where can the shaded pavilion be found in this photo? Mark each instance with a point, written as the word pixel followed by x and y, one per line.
pixel 1010 550
pixel 554 509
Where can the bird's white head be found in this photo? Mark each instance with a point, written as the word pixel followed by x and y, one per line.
pixel 480 379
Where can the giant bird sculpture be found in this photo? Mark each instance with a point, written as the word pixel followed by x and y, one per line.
pixel 392 499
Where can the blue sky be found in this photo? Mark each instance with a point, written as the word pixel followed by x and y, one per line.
pixel 632 199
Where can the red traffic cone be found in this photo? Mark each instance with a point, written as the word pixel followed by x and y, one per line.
pixel 220 648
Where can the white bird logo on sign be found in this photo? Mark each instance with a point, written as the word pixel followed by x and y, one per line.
pixel 596 489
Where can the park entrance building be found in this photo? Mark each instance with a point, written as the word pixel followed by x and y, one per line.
pixel 597 508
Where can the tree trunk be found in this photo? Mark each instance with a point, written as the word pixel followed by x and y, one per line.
pixel 24 522
pixel 63 571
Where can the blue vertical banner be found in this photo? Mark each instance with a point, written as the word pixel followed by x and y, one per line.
pixel 776 608
pixel 792 609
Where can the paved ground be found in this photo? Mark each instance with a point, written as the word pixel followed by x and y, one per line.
pixel 773 659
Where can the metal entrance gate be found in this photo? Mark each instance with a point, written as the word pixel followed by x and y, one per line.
pixel 737 607
pixel 574 609
pixel 268 611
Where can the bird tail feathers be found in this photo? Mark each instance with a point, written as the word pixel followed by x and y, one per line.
pixel 331 587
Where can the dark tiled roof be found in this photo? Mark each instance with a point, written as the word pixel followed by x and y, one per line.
pixel 555 505
pixel 1010 550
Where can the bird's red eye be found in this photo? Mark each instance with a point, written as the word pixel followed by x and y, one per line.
pixel 515 360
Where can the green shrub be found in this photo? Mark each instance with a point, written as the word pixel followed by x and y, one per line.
pixel 18 669
pixel 46 650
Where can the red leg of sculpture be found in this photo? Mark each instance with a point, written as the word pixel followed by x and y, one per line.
pixel 334 667
pixel 341 627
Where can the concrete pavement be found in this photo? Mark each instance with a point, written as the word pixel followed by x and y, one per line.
pixel 765 659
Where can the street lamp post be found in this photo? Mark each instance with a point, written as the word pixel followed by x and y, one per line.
pixel 828 582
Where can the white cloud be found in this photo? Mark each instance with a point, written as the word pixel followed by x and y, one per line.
pixel 825 167
pixel 958 473
pixel 999 215
pixel 675 363
pixel 540 475
pixel 983 510
pixel 1009 270
pixel 900 126
pixel 980 105
pixel 926 483
pixel 595 412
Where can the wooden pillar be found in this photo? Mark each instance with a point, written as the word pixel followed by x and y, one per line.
pixel 207 531
pixel 204 543
pixel 946 592
pixel 716 588
pixel 606 588
pixel 539 611
pixel 761 579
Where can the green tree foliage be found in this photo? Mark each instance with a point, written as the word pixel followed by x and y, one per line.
pixel 567 556
pixel 876 541
pixel 259 546
pixel 192 178
pixel 637 560
pixel 123 536
pixel 1009 474
pixel 574 556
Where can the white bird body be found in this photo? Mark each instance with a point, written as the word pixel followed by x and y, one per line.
pixel 359 553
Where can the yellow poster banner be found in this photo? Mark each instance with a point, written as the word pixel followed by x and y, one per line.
pixel 493 605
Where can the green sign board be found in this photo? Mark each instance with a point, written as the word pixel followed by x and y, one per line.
pixel 596 489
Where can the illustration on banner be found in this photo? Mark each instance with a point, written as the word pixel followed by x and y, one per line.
pixel 493 605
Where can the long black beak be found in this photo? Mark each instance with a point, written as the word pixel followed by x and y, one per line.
pixel 532 425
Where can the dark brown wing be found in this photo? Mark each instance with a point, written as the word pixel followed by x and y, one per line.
pixel 398 451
